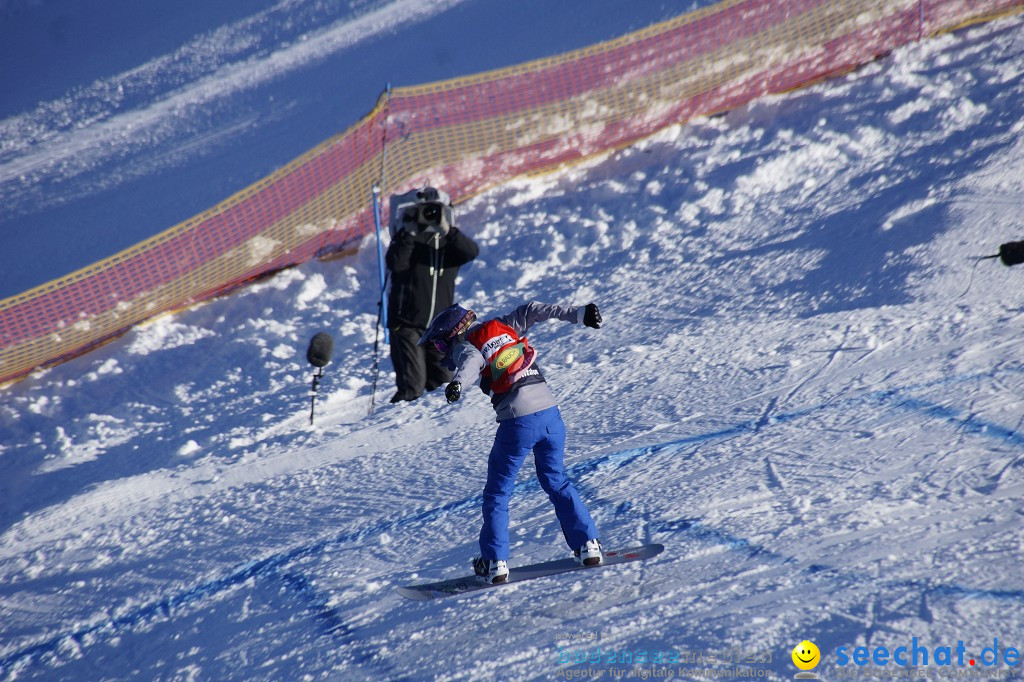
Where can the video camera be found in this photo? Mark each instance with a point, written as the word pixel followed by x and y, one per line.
pixel 423 211
pixel 430 215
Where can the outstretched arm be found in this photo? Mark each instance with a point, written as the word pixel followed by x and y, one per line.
pixel 529 314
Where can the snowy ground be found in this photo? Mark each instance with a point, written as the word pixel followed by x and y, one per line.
pixel 792 392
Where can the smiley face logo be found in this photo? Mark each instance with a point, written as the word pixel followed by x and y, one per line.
pixel 806 655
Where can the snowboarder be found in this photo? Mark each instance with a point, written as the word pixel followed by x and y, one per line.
pixel 497 353
pixel 424 258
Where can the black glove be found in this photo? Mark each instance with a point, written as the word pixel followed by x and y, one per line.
pixel 453 392
pixel 406 235
pixel 592 316
pixel 406 222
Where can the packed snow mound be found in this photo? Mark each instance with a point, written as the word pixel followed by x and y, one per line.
pixel 795 391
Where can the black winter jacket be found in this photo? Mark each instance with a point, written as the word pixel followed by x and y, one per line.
pixel 423 270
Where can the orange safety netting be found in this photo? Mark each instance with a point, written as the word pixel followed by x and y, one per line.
pixel 467 134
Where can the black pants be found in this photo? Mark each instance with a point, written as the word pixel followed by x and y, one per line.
pixel 417 368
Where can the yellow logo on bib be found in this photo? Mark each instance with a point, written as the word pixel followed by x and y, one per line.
pixel 507 357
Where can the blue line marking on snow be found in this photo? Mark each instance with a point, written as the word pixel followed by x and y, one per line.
pixel 969 424
pixel 696 529
pixel 165 607
pixel 334 621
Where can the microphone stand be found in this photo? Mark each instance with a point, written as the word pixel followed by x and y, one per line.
pixel 312 395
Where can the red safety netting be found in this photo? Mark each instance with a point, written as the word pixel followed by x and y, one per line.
pixel 465 135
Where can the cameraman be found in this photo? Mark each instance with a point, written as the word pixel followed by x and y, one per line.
pixel 424 258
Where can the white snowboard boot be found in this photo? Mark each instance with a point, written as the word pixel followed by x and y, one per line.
pixel 491 571
pixel 590 554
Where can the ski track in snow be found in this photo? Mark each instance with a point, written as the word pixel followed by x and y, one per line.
pixel 791 392
pixel 77 134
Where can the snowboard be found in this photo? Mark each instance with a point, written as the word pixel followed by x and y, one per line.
pixel 456 586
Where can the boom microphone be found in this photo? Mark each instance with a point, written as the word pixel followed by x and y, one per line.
pixel 321 346
pixel 1011 253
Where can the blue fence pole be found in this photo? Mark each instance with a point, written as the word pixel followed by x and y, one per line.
pixel 381 268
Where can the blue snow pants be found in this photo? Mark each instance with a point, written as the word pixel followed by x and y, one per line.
pixel 544 433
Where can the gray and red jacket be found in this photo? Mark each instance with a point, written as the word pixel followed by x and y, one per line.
pixel 529 392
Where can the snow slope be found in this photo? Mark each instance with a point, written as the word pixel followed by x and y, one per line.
pixel 792 392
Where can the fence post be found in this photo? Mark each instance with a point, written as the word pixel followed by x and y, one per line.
pixel 377 211
pixel 381 268
pixel 382 304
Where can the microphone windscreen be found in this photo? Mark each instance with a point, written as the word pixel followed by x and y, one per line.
pixel 320 348
pixel 1012 253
